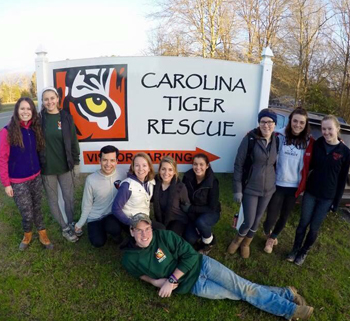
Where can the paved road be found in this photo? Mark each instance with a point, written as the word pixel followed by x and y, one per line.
pixel 5 118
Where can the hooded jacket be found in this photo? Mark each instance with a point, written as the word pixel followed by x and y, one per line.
pixel 204 197
pixel 262 177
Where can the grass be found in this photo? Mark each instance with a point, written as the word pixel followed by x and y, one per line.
pixel 79 282
pixel 11 106
pixel 7 107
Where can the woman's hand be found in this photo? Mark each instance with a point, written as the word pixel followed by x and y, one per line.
pixel 9 191
pixel 167 288
pixel 237 197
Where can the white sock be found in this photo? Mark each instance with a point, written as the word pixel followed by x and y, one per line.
pixel 208 240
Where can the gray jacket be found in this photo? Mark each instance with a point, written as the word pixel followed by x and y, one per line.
pixel 262 178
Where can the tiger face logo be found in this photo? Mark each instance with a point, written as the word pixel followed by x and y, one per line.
pixel 96 97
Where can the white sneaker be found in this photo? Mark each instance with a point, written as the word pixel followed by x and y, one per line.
pixel 69 235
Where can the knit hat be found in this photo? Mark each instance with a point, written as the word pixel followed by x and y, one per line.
pixel 47 89
pixel 137 218
pixel 267 113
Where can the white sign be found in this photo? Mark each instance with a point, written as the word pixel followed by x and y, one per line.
pixel 160 105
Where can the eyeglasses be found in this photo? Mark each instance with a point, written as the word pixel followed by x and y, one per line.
pixel 268 123
pixel 145 231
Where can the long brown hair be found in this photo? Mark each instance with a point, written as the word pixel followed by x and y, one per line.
pixel 301 140
pixel 14 128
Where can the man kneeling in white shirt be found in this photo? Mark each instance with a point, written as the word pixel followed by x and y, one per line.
pixel 99 193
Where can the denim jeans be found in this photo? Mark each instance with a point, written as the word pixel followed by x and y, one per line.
pixel 216 281
pixel 203 224
pixel 313 212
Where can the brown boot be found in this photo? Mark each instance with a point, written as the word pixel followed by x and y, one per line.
pixel 302 312
pixel 44 240
pixel 298 299
pixel 245 250
pixel 26 240
pixel 233 247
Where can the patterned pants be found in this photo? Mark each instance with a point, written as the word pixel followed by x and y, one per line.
pixel 27 197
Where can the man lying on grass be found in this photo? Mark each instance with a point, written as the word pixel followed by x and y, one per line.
pixel 165 260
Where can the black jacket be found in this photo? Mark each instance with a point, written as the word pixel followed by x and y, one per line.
pixel 70 140
pixel 177 196
pixel 204 197
pixel 328 172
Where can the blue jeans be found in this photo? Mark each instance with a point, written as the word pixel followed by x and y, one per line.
pixel 203 224
pixel 313 212
pixel 216 281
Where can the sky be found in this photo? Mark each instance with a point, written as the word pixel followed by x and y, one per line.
pixel 71 29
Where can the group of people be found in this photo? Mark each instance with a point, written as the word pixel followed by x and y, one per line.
pixel 170 250
pixel 273 168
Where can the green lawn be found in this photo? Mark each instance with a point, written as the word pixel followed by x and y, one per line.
pixel 7 107
pixel 79 282
pixel 11 106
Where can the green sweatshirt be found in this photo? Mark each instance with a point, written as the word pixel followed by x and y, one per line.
pixel 166 252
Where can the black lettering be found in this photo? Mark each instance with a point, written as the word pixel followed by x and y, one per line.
pixel 177 79
pixel 194 104
pixel 157 157
pixel 201 101
pixel 192 127
pixel 194 87
pixel 217 104
pixel 165 80
pixel 214 134
pixel 120 157
pixel 170 101
pixel 181 123
pixel 152 123
pixel 91 157
pixel 240 87
pixel 143 80
pixel 129 157
pixel 188 157
pixel 167 122
pixel 228 124
pixel 222 80
pixel 178 157
pixel 205 83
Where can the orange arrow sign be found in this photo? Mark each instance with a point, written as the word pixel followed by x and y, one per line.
pixel 125 156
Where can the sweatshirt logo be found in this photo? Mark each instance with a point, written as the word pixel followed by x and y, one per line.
pixel 337 156
pixel 59 126
pixel 160 256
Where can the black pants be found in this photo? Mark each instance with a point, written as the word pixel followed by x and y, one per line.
pixel 98 230
pixel 280 207
pixel 177 227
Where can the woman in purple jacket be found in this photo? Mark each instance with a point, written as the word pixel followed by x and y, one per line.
pixel 20 142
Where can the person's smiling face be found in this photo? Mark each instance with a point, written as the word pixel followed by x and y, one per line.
pixel 142 234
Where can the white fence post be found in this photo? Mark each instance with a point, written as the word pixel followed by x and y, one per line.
pixel 266 75
pixel 41 66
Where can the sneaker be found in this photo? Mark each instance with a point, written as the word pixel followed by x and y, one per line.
pixel 302 312
pixel 299 260
pixel 298 299
pixel 69 235
pixel 292 255
pixel 269 245
pixel 72 227
pixel 206 248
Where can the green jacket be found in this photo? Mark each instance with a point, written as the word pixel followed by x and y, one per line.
pixel 166 252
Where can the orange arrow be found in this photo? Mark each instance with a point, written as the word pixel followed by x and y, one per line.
pixel 125 156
